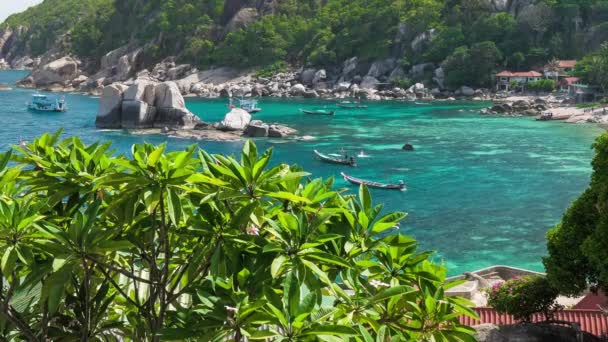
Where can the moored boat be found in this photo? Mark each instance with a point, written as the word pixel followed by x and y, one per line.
pixel 400 186
pixel 351 105
pixel 350 162
pixel 318 112
pixel 44 103
pixel 251 106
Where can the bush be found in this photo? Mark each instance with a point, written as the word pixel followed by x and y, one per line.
pixel 523 297
pixel 402 82
pixel 273 69
pixel 542 86
pixel 188 246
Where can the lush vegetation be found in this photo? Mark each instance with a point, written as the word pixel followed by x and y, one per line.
pixel 545 85
pixel 523 297
pixel 577 246
pixel 190 246
pixel 593 68
pixel 471 37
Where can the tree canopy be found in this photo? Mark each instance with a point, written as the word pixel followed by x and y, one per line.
pixel 577 246
pixel 190 246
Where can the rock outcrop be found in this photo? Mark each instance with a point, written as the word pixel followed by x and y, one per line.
pixel 236 120
pixel 58 72
pixel 144 105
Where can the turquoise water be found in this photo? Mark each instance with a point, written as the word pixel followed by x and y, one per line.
pixel 482 190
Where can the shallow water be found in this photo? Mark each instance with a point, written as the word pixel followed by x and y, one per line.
pixel 482 190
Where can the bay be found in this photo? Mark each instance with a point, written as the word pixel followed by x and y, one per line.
pixel 481 190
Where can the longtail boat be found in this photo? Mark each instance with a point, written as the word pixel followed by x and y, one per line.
pixel 350 105
pixel 357 181
pixel 318 112
pixel 326 158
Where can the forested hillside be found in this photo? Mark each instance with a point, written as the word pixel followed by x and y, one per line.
pixel 471 38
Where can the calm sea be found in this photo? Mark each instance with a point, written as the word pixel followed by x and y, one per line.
pixel 482 190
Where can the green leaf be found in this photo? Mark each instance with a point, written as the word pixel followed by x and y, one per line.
pixel 366 198
pixel 174 206
pixel 8 260
pixel 334 330
pixel 155 155
pixel 288 196
pixel 277 266
pixel 391 292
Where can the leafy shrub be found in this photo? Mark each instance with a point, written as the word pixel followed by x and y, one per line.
pixel 541 86
pixel 273 69
pixel 588 105
pixel 402 82
pixel 523 297
pixel 191 246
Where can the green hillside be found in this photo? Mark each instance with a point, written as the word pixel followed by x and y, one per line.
pixel 471 37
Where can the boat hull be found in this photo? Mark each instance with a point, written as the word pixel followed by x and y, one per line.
pixel 376 185
pixel 328 159
pixel 310 112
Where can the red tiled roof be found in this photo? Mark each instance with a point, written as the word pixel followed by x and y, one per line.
pixel 566 64
pixel 568 81
pixel 591 321
pixel 519 74
pixel 591 301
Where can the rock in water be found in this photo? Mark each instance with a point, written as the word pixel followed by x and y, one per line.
pixel 408 147
pixel 171 108
pixel 58 71
pixel 143 105
pixel 256 130
pixel 109 114
pixel 236 120
pixel 279 131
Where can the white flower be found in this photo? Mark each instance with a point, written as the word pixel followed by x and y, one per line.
pixel 376 283
pixel 253 230
pixel 230 308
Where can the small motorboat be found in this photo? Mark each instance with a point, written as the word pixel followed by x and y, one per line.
pixel 400 186
pixel 250 106
pixel 351 105
pixel 350 162
pixel 45 103
pixel 318 112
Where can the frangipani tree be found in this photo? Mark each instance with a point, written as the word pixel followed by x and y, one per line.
pixel 196 247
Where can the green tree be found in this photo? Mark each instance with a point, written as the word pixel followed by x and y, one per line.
pixel 577 246
pixel 190 246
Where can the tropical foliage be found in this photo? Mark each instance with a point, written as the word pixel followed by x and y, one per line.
pixel 191 246
pixel 523 297
pixel 577 246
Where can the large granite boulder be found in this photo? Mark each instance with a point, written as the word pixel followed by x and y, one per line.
pixel 320 76
pixel 279 131
pixel 137 114
pixel 171 108
pixel 144 105
pixel 141 90
pixel 297 90
pixel 467 91
pixel 369 82
pixel 349 69
pixel 256 129
pixel 138 109
pixel 382 67
pixel 236 120
pixel 109 114
pixel 307 76
pixel 59 71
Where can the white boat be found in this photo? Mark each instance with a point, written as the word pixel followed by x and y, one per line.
pixel 44 103
pixel 250 106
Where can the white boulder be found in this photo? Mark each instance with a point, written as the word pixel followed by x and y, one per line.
pixel 236 120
